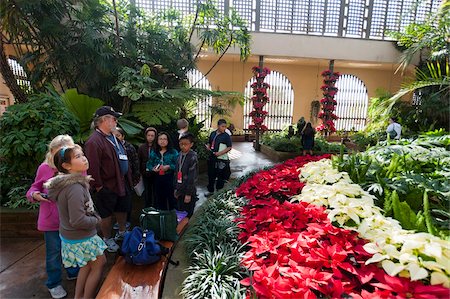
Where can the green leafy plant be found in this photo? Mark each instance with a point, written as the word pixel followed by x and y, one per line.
pixel 16 198
pixel 214 251
pixel 409 177
pixel 25 131
pixel 83 107
pixel 216 274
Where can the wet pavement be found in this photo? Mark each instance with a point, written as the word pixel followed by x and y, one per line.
pixel 22 260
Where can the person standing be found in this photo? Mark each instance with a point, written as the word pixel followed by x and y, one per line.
pixel 134 167
pixel 186 176
pixel 219 144
pixel 80 244
pixel 162 161
pixel 48 220
pixel 308 139
pixel 111 174
pixel 183 128
pixel 147 176
pixel 394 129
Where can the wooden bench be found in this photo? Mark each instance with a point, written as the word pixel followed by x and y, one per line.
pixel 130 281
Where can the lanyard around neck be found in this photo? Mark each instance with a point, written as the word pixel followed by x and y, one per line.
pixel 114 137
pixel 182 160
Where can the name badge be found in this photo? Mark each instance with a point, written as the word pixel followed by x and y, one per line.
pixel 179 177
pixel 123 157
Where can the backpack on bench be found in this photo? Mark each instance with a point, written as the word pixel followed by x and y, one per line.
pixel 140 247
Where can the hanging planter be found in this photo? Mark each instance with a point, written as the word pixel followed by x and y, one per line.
pixel 328 103
pixel 259 99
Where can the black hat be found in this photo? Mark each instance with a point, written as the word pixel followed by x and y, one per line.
pixel 106 110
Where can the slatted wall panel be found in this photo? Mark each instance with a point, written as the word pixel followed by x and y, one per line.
pixel 19 74
pixel 345 18
pixel 352 102
pixel 281 102
pixel 202 110
pixel 354 24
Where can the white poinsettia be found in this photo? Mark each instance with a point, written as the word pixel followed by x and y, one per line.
pixel 348 189
pixel 315 194
pixel 440 278
pixel 322 172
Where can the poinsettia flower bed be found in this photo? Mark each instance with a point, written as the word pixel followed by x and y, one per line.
pixel 294 251
pixel 401 252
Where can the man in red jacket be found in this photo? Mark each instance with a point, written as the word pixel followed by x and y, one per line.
pixel 109 167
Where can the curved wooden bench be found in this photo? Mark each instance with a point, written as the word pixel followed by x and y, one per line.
pixel 128 281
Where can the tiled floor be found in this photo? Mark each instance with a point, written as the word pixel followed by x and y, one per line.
pixel 22 261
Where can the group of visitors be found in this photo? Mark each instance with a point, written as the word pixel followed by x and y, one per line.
pixel 67 179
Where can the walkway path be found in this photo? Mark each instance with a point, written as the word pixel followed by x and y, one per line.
pixel 22 261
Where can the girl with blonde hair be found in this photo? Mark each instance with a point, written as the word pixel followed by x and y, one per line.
pixel 48 220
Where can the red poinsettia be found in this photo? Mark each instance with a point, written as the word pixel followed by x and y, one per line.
pixel 259 99
pixel 295 252
pixel 328 102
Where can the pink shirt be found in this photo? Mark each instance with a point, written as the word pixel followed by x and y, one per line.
pixel 48 219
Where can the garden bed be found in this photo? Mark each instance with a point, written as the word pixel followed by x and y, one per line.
pixel 320 236
pixel 277 156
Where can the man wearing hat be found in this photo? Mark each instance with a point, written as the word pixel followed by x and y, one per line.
pixel 110 170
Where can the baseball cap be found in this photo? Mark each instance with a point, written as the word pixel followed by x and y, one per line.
pixel 106 110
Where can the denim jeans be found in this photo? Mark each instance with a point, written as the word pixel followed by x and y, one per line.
pixel 53 261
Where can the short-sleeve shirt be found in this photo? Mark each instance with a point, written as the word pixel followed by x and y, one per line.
pixel 216 139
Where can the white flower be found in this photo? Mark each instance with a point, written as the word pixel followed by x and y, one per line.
pixel 440 278
pixel 416 272
pixel 392 268
pixel 377 257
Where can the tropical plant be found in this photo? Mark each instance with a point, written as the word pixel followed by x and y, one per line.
pixel 218 32
pixel 154 104
pixel 25 131
pixel 431 85
pixel 83 107
pixel 409 178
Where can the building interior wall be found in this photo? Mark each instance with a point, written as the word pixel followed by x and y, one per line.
pixel 304 76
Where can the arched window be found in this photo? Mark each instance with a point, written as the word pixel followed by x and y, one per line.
pixel 352 102
pixel 203 107
pixel 19 74
pixel 280 105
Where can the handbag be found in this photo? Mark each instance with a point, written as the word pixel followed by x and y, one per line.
pixel 140 247
pixel 162 222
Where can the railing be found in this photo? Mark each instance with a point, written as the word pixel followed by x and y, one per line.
pixel 367 19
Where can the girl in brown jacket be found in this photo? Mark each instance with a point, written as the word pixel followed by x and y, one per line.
pixel 80 244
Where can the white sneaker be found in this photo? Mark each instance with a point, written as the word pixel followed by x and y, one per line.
pixel 58 292
pixel 112 245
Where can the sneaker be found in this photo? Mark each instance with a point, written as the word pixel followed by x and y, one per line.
pixel 120 235
pixel 71 278
pixel 116 226
pixel 58 292
pixel 112 245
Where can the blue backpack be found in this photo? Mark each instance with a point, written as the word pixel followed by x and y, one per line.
pixel 140 247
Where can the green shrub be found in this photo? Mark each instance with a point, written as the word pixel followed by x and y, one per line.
pixel 214 250
pixel 25 131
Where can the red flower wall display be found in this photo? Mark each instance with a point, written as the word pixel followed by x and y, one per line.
pixel 259 99
pixel 328 102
